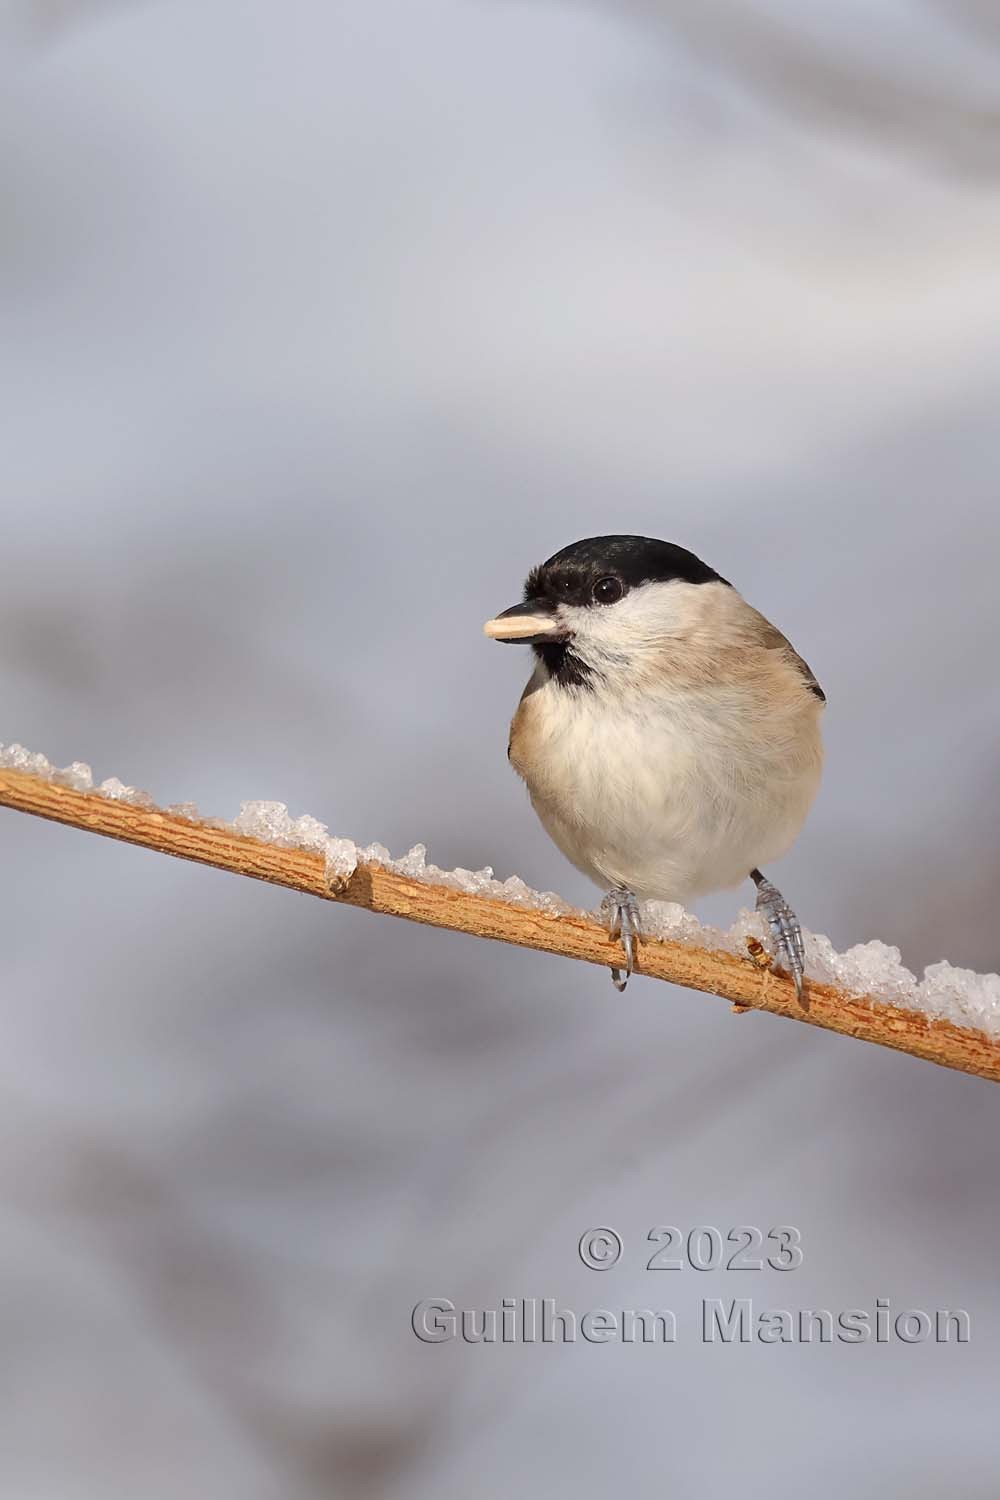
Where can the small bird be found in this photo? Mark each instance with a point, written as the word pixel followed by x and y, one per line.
pixel 669 735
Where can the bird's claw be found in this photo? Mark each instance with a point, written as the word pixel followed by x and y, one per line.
pixel 786 931
pixel 622 911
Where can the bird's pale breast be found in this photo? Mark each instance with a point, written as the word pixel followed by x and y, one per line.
pixel 673 788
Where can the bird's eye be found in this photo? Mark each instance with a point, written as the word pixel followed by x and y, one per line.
pixel 607 590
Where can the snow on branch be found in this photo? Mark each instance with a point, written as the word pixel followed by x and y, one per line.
pixel 951 1017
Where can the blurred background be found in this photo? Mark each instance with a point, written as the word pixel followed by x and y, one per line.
pixel 322 322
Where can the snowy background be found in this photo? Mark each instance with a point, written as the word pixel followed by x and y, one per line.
pixel 322 322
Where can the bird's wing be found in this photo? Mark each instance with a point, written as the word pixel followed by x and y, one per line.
pixel 773 640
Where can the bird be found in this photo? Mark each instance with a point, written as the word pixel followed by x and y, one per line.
pixel 669 735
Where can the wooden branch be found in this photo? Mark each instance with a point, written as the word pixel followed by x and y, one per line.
pixel 739 980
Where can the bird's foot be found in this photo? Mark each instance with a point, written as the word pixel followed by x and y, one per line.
pixel 622 911
pixel 786 930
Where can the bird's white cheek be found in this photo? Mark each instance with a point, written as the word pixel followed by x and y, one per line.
pixel 625 633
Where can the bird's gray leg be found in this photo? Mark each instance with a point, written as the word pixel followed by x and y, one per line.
pixel 785 928
pixel 622 911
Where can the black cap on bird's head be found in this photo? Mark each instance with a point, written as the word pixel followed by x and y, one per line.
pixel 597 571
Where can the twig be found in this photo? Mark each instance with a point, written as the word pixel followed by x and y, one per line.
pixel 742 981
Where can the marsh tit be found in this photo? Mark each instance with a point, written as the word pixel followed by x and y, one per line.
pixel 669 735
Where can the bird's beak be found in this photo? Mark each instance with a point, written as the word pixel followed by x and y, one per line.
pixel 527 624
